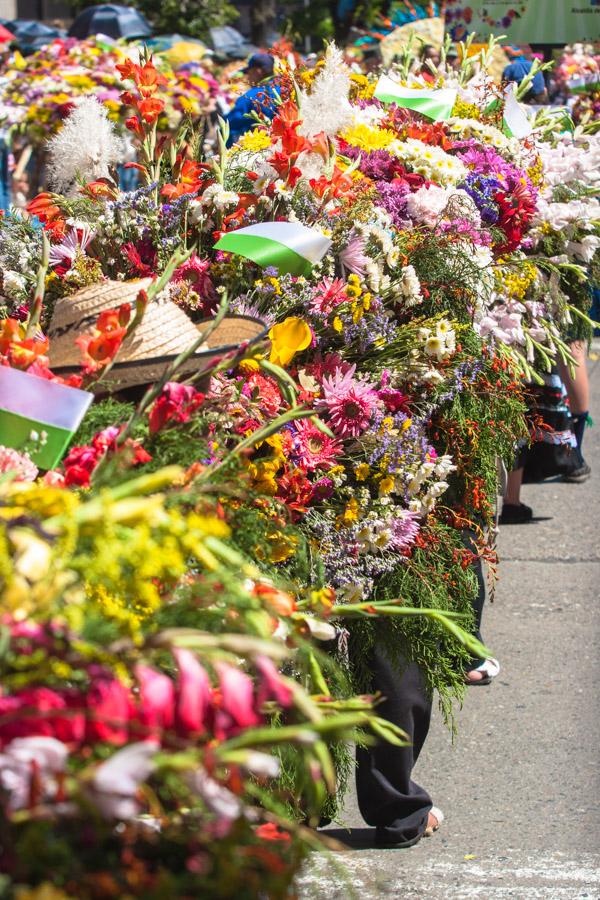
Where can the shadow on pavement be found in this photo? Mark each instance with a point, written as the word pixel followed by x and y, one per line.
pixel 353 838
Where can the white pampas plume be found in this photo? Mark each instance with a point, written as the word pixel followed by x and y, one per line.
pixel 327 107
pixel 85 147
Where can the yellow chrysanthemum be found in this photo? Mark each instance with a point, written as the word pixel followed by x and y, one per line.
pixel 255 140
pixel 366 138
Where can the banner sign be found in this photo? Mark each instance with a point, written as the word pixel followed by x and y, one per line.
pixel 525 21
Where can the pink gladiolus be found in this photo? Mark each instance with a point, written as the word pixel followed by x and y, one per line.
pixel 157 700
pixel 271 685
pixel 193 694
pixel 237 696
pixel 109 710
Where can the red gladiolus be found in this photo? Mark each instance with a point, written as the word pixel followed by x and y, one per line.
pixel 268 831
pixel 193 694
pixel 133 124
pixel 148 78
pixel 112 320
pixel 287 116
pixel 99 349
pixel 50 716
pixel 128 69
pixel 99 189
pixel 176 404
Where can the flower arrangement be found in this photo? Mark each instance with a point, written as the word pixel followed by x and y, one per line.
pixel 168 584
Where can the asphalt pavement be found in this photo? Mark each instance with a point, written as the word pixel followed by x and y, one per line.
pixel 520 783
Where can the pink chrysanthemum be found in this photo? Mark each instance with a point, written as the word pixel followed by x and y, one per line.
pixel 313 449
pixel 405 529
pixel 18 464
pixel 329 293
pixel 349 402
pixel 352 257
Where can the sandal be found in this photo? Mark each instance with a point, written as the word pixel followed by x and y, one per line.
pixel 438 815
pixel 489 668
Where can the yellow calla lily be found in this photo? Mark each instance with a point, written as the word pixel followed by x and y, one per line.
pixel 287 339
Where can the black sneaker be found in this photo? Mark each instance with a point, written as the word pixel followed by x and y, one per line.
pixel 578 475
pixel 515 514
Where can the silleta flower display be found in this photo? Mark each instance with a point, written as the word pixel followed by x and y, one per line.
pixel 191 593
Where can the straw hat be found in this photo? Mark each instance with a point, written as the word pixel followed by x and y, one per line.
pixel 164 332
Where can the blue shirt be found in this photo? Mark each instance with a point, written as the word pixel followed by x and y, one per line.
pixel 517 71
pixel 259 99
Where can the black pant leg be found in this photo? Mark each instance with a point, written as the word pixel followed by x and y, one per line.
pixel 387 796
pixel 478 600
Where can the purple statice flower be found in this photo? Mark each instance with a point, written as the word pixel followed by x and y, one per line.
pixel 378 164
pixel 482 189
pixel 486 161
pixel 392 197
pixel 370 331
pixel 242 307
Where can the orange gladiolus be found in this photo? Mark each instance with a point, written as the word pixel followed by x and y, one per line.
pixel 280 602
pixel 150 109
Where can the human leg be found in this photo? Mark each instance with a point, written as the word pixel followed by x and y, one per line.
pixel 388 798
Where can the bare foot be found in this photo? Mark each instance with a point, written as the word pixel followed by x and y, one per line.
pixel 434 820
pixel 474 676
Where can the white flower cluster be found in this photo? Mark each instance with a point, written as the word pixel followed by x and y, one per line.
pixel 431 162
pixel 510 148
pixel 327 108
pixel 440 343
pixel 409 288
pixel 434 476
pixel 427 205
pixel 85 148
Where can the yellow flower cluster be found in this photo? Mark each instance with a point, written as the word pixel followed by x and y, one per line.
pixel 366 138
pixel 535 172
pixel 464 110
pixel 263 471
pixel 119 554
pixel 360 87
pixel 517 282
pixel 255 140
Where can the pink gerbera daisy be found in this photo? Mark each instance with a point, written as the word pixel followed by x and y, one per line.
pixel 312 448
pixel 329 293
pixel 350 402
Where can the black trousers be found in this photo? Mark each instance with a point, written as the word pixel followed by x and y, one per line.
pixel 387 796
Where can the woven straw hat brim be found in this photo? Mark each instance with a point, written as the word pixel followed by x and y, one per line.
pixel 145 371
pixel 164 332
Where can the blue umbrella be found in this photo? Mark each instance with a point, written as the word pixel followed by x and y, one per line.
pixel 229 43
pixel 33 35
pixel 111 19
pixel 161 42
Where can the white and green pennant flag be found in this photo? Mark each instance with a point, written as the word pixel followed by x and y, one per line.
pixel 435 104
pixel 515 121
pixel 39 416
pixel 291 248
